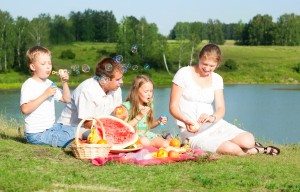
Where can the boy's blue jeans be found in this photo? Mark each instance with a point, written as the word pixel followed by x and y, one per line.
pixel 57 136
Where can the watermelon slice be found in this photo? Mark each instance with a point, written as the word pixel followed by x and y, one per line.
pixel 118 133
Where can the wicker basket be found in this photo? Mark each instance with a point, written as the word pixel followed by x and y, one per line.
pixel 89 151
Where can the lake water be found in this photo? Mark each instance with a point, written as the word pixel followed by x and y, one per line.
pixel 270 112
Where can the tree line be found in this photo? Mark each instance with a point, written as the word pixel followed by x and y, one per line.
pixel 17 35
pixel 260 30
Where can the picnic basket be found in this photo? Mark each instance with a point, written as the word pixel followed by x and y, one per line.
pixel 89 151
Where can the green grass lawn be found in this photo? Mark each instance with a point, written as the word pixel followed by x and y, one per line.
pixel 256 64
pixel 26 167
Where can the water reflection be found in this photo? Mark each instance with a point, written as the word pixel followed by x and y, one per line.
pixel 270 112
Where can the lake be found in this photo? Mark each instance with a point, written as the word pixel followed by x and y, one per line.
pixel 270 112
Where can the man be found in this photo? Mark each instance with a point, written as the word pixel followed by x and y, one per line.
pixel 96 96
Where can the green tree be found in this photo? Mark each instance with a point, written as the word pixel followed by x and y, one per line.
pixel 214 32
pixel 40 29
pixel 88 27
pixel 261 30
pixel 60 30
pixel 288 30
pixel 127 37
pixel 182 31
pixel 76 19
pixel 7 41
pixel 106 26
pixel 22 43
pixel 195 37
pixel 145 38
pixel 238 32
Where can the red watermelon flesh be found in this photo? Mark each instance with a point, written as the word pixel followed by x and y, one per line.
pixel 118 133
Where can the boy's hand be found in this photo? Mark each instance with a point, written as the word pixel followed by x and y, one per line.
pixel 64 75
pixel 50 91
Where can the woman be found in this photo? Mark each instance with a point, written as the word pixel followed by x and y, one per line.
pixel 197 102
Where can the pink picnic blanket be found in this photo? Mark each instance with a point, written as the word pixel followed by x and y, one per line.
pixel 144 157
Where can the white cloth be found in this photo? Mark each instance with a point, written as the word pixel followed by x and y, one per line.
pixel 196 100
pixel 89 101
pixel 43 117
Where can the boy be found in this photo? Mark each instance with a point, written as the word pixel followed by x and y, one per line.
pixel 37 101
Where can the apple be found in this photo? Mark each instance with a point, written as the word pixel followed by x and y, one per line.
pixel 194 128
pixel 173 154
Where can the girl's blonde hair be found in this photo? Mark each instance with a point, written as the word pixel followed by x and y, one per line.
pixel 211 51
pixel 133 98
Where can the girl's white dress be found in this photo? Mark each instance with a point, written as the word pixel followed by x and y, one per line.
pixel 196 100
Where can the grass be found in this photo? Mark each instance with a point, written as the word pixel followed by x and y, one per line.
pixel 256 64
pixel 26 167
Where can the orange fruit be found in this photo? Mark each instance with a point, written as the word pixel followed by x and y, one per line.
pixel 162 153
pixel 120 111
pixel 173 154
pixel 138 142
pixel 174 142
pixel 102 141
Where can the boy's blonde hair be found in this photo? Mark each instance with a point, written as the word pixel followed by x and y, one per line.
pixel 133 98
pixel 34 52
pixel 211 51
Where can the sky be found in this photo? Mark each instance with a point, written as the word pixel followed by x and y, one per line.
pixel 164 13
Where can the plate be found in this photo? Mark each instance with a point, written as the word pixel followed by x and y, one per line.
pixel 125 150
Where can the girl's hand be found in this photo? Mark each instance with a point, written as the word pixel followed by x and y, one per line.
pixel 145 110
pixel 64 75
pixel 163 120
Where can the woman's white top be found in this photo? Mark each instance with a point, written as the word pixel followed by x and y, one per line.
pixel 195 99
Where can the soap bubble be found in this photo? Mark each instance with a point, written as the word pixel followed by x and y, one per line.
pixel 135 67
pixel 108 67
pixel 104 80
pixel 124 69
pixel 74 67
pixel 77 72
pixel 57 72
pixel 134 48
pixel 147 66
pixel 128 65
pixel 118 58
pixel 85 68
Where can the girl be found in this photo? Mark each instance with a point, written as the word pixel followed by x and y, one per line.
pixel 138 112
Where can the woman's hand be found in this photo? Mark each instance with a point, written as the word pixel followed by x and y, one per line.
pixel 192 126
pixel 205 118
